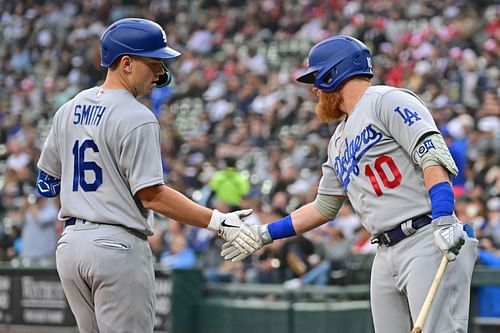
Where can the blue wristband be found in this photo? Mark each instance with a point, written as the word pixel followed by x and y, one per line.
pixel 442 200
pixel 282 228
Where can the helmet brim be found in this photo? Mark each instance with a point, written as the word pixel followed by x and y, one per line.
pixel 308 77
pixel 163 53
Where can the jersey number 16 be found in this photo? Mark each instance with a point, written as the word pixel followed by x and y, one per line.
pixel 80 166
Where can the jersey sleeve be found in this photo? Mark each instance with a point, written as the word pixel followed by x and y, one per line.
pixel 50 160
pixel 405 117
pixel 329 183
pixel 140 157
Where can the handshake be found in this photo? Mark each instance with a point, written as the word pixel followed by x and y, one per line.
pixel 241 239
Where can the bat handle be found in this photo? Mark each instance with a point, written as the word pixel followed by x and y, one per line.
pixel 422 316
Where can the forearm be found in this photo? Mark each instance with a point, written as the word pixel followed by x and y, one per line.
pixel 301 220
pixel 434 175
pixel 307 218
pixel 175 205
pixel 437 182
pixel 252 237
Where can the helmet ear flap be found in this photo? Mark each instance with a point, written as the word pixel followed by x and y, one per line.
pixel 165 78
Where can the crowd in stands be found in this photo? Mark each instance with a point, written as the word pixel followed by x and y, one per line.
pixel 234 98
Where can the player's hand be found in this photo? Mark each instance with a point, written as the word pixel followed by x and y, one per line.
pixel 249 239
pixel 448 235
pixel 227 225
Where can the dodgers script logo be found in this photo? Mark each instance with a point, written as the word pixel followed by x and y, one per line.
pixel 347 161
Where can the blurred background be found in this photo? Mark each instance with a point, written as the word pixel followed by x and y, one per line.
pixel 239 132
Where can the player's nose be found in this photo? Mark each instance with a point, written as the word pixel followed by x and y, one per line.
pixel 315 91
pixel 159 69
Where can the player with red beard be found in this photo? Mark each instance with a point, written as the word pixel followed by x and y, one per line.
pixel 389 159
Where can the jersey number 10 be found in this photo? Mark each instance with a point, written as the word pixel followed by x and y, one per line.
pixel 388 183
pixel 80 166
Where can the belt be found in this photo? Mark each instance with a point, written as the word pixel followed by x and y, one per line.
pixel 72 221
pixel 405 229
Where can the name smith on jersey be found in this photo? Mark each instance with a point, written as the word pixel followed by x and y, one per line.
pixel 88 114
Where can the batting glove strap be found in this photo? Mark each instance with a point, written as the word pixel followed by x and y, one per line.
pixel 444 221
pixel 264 235
pixel 215 220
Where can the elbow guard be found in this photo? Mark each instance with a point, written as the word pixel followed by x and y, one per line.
pixel 432 150
pixel 47 185
pixel 328 205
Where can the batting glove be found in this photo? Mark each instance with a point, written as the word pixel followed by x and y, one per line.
pixel 250 239
pixel 448 235
pixel 227 225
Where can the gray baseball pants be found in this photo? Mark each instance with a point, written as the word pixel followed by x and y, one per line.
pixel 402 275
pixel 108 278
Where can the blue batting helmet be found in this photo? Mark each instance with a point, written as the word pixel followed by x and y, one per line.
pixel 136 36
pixel 334 60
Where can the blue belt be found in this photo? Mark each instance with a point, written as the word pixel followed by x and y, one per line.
pixel 405 229
pixel 72 221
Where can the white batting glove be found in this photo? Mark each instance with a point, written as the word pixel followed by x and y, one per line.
pixel 448 235
pixel 250 239
pixel 227 225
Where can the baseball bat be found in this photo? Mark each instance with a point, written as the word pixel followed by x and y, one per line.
pixel 422 316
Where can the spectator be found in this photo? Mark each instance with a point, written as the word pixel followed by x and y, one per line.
pixel 39 228
pixel 229 185
pixel 295 256
pixel 334 251
pixel 362 242
pixel 179 255
pixel 266 266
pixel 487 296
pixel 491 227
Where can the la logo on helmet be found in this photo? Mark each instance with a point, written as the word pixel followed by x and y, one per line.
pixel 164 36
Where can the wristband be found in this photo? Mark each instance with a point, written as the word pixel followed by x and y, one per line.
pixel 282 228
pixel 442 200
pixel 47 185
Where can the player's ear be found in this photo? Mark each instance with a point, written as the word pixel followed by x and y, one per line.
pixel 126 63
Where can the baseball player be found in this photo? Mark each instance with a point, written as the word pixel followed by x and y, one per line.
pixel 102 156
pixel 389 159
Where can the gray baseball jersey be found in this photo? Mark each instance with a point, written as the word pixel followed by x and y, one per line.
pixel 102 142
pixel 104 146
pixel 369 158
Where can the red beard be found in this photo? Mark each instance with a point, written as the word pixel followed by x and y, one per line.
pixel 328 107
